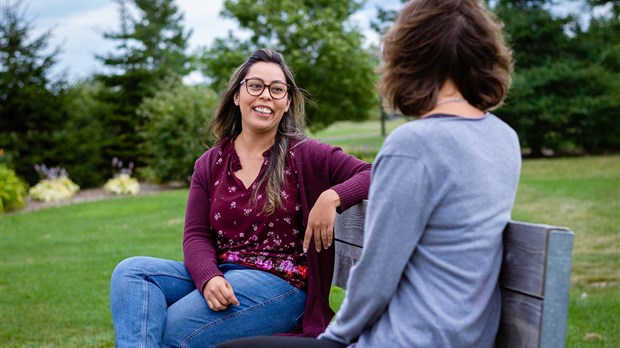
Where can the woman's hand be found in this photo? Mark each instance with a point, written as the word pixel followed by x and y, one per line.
pixel 321 221
pixel 219 294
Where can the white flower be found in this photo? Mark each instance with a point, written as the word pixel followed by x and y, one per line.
pixel 54 190
pixel 123 184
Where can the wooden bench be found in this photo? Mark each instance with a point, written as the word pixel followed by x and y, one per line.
pixel 534 278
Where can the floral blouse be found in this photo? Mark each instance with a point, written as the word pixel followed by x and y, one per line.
pixel 248 236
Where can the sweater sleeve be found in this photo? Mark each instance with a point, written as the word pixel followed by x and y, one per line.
pixel 199 255
pixel 396 217
pixel 349 176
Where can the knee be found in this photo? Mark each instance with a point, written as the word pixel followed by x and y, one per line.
pixel 131 267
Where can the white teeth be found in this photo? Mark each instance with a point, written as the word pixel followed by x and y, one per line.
pixel 263 110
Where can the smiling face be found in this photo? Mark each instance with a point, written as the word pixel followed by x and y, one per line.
pixel 261 114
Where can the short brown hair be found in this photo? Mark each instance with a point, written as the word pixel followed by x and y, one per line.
pixel 432 41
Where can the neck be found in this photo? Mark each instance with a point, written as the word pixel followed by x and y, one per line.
pixel 451 101
pixel 442 101
pixel 253 145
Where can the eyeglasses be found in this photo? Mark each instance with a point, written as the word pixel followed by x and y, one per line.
pixel 255 87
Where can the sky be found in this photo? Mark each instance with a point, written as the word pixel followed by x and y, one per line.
pixel 78 26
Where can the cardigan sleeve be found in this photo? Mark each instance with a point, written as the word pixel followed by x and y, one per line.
pixel 199 255
pixel 348 175
pixel 321 167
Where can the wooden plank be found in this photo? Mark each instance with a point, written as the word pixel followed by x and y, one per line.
pixel 349 226
pixel 523 264
pixel 520 321
pixel 557 286
pixel 346 256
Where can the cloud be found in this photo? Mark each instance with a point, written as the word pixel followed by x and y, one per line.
pixel 203 17
pixel 78 27
pixel 80 36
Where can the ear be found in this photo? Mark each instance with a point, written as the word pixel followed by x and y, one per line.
pixel 236 98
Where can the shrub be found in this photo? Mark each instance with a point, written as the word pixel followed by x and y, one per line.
pixel 174 118
pixel 13 190
pixel 55 185
pixel 122 183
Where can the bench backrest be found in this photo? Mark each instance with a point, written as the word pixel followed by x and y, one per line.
pixel 534 278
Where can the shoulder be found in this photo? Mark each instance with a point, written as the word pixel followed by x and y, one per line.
pixel 312 148
pixel 407 139
pixel 211 155
pixel 501 124
pixel 310 145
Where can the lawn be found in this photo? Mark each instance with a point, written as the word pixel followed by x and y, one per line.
pixel 55 263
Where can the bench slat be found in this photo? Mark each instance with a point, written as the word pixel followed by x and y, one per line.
pixel 523 267
pixel 557 287
pixel 350 224
pixel 520 321
pixel 347 256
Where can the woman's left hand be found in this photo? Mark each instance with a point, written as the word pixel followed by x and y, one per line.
pixel 321 221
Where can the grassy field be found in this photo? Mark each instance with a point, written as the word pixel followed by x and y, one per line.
pixel 55 264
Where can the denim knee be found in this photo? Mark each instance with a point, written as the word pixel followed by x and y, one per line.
pixel 131 266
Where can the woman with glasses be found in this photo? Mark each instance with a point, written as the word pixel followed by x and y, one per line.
pixel 257 244
pixel 442 190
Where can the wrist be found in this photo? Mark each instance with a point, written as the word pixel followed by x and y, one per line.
pixel 332 196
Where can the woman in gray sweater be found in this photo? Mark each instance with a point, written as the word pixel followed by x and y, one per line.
pixel 442 189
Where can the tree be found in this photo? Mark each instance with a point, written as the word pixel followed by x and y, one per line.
pixel 598 48
pixel 80 141
pixel 563 96
pixel 174 117
pixel 385 18
pixel 30 101
pixel 319 42
pixel 150 49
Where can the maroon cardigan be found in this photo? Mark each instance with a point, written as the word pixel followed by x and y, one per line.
pixel 319 167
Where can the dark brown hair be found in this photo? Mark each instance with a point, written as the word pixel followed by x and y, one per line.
pixel 226 122
pixel 432 41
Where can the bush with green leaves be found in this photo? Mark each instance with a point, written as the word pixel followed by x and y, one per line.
pixel 175 117
pixel 13 190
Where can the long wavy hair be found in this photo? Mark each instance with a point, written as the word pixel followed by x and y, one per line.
pixel 432 41
pixel 226 123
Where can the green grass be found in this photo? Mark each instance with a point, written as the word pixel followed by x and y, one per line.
pixel 583 194
pixel 55 264
pixel 362 139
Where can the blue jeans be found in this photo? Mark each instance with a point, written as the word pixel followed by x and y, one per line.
pixel 155 303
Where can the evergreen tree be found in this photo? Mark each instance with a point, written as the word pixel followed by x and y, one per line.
pixel 319 42
pixel 150 49
pixel 565 91
pixel 30 101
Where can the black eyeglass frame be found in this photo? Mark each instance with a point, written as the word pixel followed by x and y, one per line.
pixel 264 86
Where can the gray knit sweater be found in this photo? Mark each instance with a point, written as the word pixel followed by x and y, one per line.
pixel 442 189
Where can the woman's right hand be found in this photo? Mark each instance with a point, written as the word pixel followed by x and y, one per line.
pixel 219 294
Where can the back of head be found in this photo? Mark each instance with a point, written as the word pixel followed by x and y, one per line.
pixel 432 41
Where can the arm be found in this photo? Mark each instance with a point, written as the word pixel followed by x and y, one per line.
pixel 199 254
pixel 349 176
pixel 397 213
pixel 349 179
pixel 199 243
